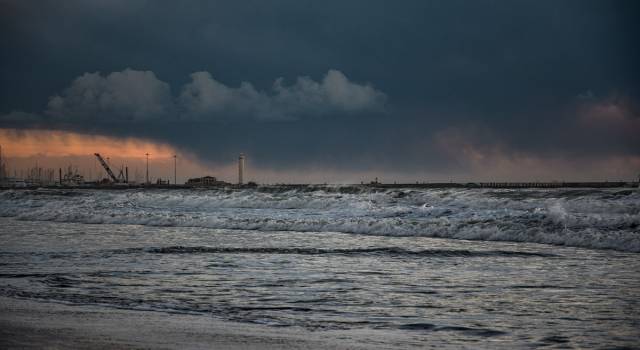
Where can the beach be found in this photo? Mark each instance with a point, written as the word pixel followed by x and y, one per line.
pixel 28 324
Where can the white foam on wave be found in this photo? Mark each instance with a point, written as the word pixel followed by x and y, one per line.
pixel 598 219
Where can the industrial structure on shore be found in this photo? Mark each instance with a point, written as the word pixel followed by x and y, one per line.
pixel 205 181
pixel 122 178
pixel 70 176
pixel 211 181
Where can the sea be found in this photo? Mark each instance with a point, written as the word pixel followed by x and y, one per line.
pixel 411 267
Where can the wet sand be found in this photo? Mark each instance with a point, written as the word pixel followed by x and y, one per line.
pixel 26 324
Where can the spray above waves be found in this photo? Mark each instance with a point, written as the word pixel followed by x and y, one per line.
pixel 592 218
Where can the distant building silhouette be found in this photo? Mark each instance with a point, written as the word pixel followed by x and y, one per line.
pixel 205 181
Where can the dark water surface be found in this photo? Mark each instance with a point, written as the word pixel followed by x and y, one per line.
pixel 357 262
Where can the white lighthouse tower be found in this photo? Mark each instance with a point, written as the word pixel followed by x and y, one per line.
pixel 241 169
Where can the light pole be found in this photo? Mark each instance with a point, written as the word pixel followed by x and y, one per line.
pixel 147 154
pixel 175 171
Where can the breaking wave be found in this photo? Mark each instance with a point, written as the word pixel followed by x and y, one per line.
pixel 589 218
pixel 392 251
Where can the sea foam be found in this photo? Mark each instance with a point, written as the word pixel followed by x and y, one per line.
pixel 600 219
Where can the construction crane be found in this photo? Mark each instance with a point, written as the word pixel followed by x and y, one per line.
pixel 120 179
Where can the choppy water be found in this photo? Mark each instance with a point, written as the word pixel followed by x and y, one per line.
pixel 414 267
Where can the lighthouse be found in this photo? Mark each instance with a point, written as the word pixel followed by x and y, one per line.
pixel 241 169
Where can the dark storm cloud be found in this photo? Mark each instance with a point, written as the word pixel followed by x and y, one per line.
pixel 533 77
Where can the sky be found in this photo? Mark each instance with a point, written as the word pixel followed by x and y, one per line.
pixel 326 91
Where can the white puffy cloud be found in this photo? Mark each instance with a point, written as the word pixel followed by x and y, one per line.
pixel 138 96
pixel 350 96
pixel 129 95
pixel 204 97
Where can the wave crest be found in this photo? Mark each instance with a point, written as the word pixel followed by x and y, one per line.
pixel 600 219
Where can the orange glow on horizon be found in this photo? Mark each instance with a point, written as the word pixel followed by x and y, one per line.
pixel 55 143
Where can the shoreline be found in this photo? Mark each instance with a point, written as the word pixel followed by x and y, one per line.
pixel 373 185
pixel 30 324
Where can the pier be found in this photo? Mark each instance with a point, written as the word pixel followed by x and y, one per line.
pixel 603 184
